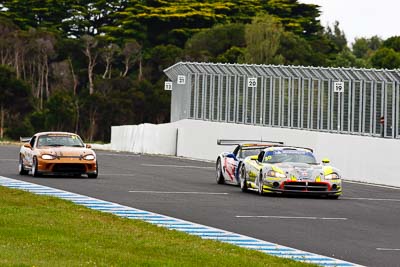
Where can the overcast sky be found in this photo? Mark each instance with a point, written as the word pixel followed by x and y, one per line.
pixel 361 18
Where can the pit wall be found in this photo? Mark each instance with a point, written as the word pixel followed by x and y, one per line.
pixel 360 158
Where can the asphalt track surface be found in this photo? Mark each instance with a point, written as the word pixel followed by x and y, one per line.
pixel 361 227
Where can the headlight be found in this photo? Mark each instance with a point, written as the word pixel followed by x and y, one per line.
pixel 48 156
pixel 89 157
pixel 332 176
pixel 275 174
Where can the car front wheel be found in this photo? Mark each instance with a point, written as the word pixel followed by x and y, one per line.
pixel 242 177
pixel 35 172
pixel 21 168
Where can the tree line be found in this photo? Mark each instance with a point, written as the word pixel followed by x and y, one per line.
pixel 85 65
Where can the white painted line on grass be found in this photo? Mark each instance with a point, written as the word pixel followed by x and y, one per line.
pixel 290 217
pixel 166 192
pixel 178 166
pixel 388 249
pixel 372 199
pixel 205 232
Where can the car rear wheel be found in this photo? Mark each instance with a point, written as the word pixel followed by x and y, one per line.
pixel 35 172
pixel 242 177
pixel 21 168
pixel 260 185
pixel 220 176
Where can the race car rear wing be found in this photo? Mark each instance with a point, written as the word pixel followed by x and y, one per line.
pixel 232 142
pixel 25 139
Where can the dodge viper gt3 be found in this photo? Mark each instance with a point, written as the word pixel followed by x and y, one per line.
pixel 57 153
pixel 228 163
pixel 287 169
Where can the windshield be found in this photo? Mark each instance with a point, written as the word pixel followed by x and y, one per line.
pixel 60 140
pixel 286 155
pixel 246 152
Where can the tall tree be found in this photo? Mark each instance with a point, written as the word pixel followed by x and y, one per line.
pixel 91 51
pixel 392 42
pixel 209 43
pixel 386 58
pixel 14 97
pixel 131 53
pixel 263 38
pixel 337 37
pixel 108 54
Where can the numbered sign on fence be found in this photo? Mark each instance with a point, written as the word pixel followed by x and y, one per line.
pixel 338 87
pixel 251 82
pixel 168 86
pixel 181 79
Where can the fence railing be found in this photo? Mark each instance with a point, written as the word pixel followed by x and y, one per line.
pixel 352 101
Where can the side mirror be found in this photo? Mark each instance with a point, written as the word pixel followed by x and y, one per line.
pixel 325 160
pixel 88 146
pixel 27 145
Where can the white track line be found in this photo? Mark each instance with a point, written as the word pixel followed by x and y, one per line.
pixel 120 155
pixel 388 249
pixel 177 166
pixel 372 199
pixel 374 185
pixel 166 192
pixel 118 174
pixel 290 217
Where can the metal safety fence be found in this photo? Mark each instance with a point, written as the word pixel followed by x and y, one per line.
pixel 340 100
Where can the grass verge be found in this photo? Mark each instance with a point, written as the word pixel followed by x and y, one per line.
pixel 47 231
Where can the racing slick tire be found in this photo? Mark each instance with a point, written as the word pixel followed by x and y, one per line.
pixel 94 175
pixel 21 168
pixel 220 176
pixel 242 178
pixel 35 172
pixel 260 185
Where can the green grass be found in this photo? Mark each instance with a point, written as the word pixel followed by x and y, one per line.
pixel 46 231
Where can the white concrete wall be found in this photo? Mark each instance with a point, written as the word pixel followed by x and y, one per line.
pixel 360 158
pixel 145 138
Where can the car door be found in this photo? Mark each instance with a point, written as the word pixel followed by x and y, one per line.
pixel 254 167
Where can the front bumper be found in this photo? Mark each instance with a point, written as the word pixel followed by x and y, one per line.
pixel 67 166
pixel 304 187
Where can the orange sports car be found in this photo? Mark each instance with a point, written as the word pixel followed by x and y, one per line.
pixel 57 153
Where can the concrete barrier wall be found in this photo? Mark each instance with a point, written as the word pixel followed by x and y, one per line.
pixel 145 138
pixel 360 158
